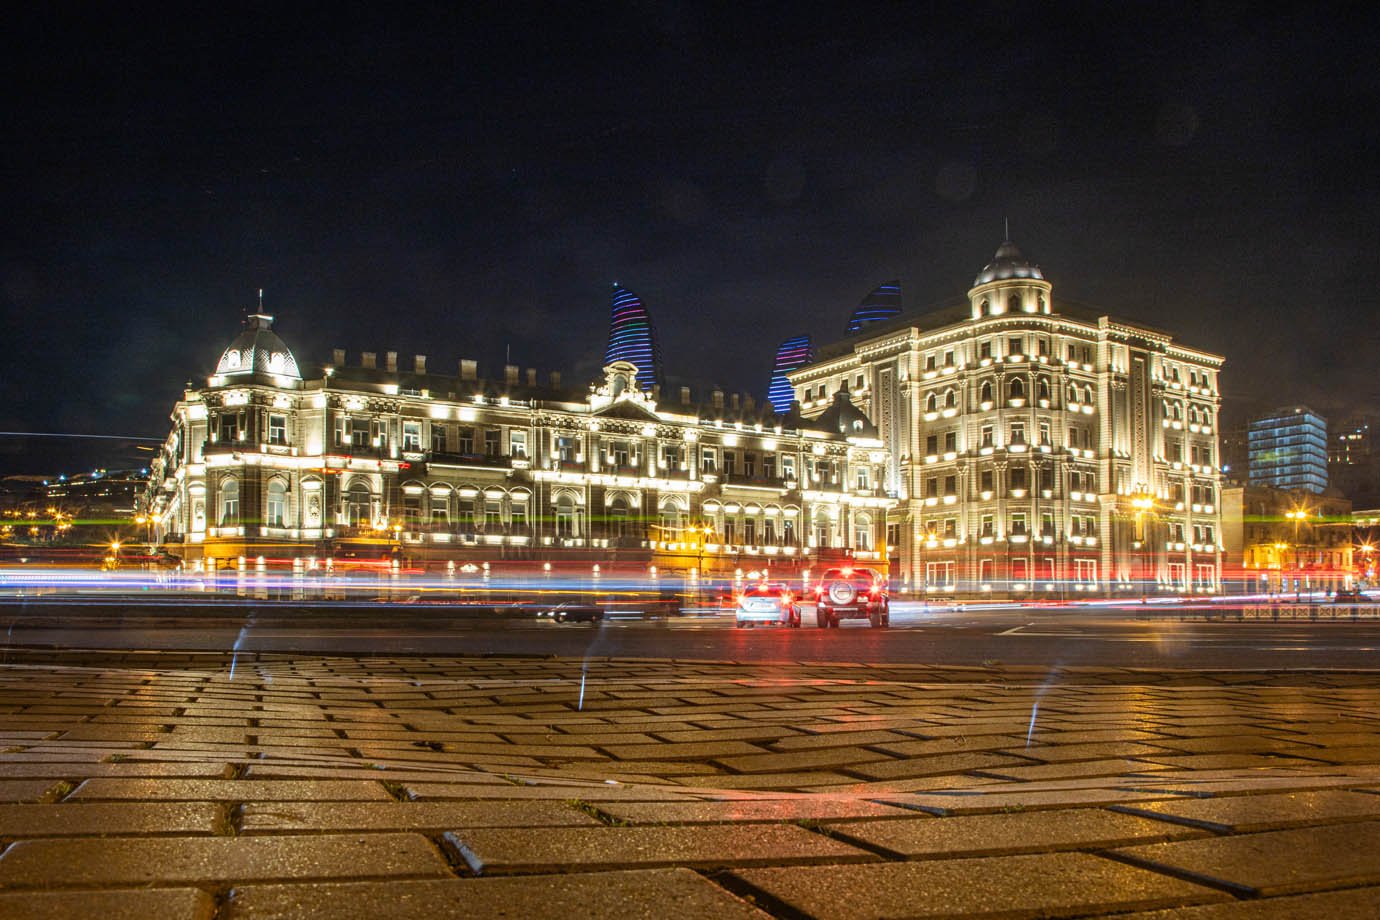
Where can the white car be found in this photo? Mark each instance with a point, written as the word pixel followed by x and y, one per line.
pixel 768 602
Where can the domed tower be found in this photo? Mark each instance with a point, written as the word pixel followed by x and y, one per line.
pixel 1010 283
pixel 258 351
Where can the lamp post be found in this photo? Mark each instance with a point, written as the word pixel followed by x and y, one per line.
pixel 1142 503
pixel 1296 516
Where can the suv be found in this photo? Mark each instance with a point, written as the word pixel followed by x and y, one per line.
pixel 852 593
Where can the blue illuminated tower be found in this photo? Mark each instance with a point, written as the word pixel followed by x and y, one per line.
pixel 790 354
pixel 632 338
pixel 883 303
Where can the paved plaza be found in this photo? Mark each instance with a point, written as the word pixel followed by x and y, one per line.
pixel 201 785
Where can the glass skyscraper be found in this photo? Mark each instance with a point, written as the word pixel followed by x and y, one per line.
pixel 632 338
pixel 1288 450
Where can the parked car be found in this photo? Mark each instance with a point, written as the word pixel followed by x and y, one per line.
pixel 852 593
pixel 768 602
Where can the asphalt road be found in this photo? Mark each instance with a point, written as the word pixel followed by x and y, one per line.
pixel 1153 637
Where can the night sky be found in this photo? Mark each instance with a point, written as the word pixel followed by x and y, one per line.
pixel 460 181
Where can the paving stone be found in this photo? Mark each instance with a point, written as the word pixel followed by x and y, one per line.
pixel 1352 904
pixel 26 790
pixel 1243 813
pixel 812 808
pixel 119 904
pixel 424 792
pixel 71 819
pixel 820 778
pixel 1274 862
pixel 229 790
pixel 936 765
pixel 1063 753
pixel 687 751
pixel 410 816
pixel 1077 769
pixel 801 760
pixel 115 861
pixel 981 801
pixel 1001 834
pixel 632 895
pixel 953 745
pixel 1052 885
pixel 498 851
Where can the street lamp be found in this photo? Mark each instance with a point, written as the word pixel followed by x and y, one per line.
pixel 1296 516
pixel 1141 503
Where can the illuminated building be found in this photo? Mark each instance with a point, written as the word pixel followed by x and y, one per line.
pixel 790 355
pixel 1036 449
pixel 632 338
pixel 1288 450
pixel 1279 541
pixel 369 462
pixel 883 303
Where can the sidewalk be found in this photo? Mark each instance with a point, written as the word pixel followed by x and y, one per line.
pixel 159 785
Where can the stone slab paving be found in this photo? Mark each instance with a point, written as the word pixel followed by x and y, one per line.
pixel 149 784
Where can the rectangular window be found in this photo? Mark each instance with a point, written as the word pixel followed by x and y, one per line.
pixel 950 485
pixel 229 427
pixel 750 532
pixel 930 362
pixel 1019 570
pixel 1085 570
pixel 749 463
pixel 769 466
pixel 932 444
pixel 1018 432
pixel 492 439
pixel 565 448
pixel 412 436
pixel 862 477
pixel 1044 434
pixel 985 481
pixel 1015 346
pixel 788 466
pixel 932 487
pixel 1047 524
pixel 359 432
pixel 440 509
pixel 517 515
pixel 517 443
pixel 986 436
pixel 950 528
pixel 465 514
pixel 493 514
pixel 709 460
pixel 277 429
pixel 1018 523
pixel 985 571
pixel 730 462
pixel 948 359
pixel 1018 476
pixel 438 439
pixel 467 440
pixel 988 526
pixel 985 350
pixel 950 442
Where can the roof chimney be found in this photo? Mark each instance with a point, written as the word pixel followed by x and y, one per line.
pixel 421 364
pixel 531 376
pixel 656 391
pixel 338 357
pixel 369 359
pixel 510 374
pixel 748 402
pixel 685 396
pixel 717 398
pixel 555 380
pixel 733 401
pixel 390 361
pixel 469 369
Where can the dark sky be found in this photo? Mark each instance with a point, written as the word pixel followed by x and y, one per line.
pixel 457 179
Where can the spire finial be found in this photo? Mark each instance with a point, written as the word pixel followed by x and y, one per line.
pixel 261 300
pixel 1007 228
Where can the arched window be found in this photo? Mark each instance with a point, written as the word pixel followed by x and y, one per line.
pixel 932 402
pixel 862 532
pixel 1016 388
pixel 950 399
pixel 1073 395
pixel 1088 394
pixel 1040 301
pixel 985 394
pixel 229 502
pixel 1043 389
pixel 567 524
pixel 1178 412
pixel 277 503
pixel 670 521
pixel 985 307
pixel 358 502
pixel 618 517
pixel 1013 303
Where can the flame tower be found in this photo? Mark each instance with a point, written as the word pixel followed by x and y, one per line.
pixel 790 354
pixel 883 303
pixel 632 338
